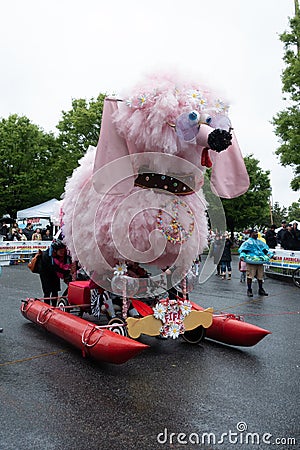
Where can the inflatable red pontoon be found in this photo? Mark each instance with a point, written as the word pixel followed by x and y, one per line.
pixel 232 330
pixel 99 343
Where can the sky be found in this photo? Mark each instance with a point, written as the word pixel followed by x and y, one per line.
pixel 54 51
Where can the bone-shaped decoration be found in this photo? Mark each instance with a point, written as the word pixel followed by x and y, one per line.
pixel 151 326
pixel 194 319
pixel 146 325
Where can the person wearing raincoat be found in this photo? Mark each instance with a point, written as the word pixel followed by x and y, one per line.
pixel 255 253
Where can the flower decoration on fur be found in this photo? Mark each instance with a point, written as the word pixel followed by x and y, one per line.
pixel 195 95
pixel 120 269
pixel 128 102
pixel 220 106
pixel 202 103
pixel 142 99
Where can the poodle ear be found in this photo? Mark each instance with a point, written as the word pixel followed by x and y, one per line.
pixel 229 176
pixel 112 171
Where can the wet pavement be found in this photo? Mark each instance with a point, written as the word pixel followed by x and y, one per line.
pixel 174 395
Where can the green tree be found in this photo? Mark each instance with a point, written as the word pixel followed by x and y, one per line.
pixel 78 128
pixel 278 214
pixel 26 157
pixel 287 122
pixel 294 212
pixel 253 207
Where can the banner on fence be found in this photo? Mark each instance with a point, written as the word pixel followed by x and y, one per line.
pixel 288 259
pixel 14 250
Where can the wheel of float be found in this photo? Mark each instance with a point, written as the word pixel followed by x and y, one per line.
pixel 296 277
pixel 80 312
pixel 194 336
pixel 61 303
pixel 120 327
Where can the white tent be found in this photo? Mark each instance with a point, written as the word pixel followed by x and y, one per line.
pixel 48 210
pixel 295 221
pixel 292 222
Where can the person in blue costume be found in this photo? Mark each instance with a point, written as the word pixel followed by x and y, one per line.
pixel 255 253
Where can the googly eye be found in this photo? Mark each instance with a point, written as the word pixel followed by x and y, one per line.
pixel 221 121
pixel 187 126
pixel 194 117
pixel 205 118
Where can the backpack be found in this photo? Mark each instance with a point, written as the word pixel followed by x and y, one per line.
pixel 35 264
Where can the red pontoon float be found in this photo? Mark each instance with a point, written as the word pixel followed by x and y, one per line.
pixel 95 341
pixel 231 329
pixel 109 343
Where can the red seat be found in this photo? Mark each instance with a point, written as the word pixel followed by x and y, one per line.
pixel 79 293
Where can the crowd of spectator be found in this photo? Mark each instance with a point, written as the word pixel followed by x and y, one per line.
pixel 286 237
pixel 12 232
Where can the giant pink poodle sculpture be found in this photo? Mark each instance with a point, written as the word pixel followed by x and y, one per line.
pixel 138 196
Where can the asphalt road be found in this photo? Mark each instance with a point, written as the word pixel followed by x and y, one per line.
pixel 174 395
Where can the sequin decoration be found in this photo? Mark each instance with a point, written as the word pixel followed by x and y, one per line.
pixel 174 231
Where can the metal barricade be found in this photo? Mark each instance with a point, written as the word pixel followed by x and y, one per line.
pixel 285 263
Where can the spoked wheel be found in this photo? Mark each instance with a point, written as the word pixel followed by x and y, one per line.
pixel 296 277
pixel 61 303
pixel 119 326
pixel 194 336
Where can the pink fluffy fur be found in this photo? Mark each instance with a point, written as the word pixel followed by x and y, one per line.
pixel 97 223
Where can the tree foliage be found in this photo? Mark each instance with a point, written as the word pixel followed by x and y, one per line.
pixel 26 157
pixel 287 122
pixel 294 212
pixel 278 214
pixel 253 207
pixel 34 165
pixel 78 128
